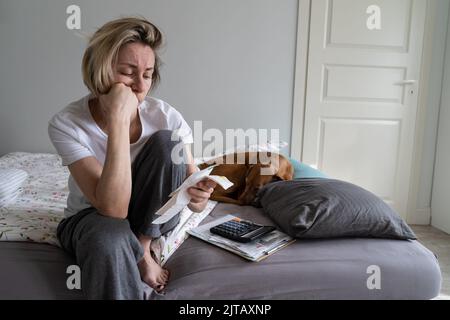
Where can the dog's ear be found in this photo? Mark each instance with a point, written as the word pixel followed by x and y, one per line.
pixel 285 171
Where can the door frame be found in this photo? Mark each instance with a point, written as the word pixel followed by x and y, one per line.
pixel 300 81
pixel 420 216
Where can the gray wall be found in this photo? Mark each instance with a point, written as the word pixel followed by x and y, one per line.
pixel 229 63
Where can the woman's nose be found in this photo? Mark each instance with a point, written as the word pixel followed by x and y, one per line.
pixel 138 85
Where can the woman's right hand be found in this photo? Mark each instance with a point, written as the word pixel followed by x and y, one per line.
pixel 119 104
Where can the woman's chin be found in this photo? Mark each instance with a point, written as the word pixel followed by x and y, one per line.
pixel 141 99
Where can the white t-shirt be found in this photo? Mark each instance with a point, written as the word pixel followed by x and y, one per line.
pixel 75 135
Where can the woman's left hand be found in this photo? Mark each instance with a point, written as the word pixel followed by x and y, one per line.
pixel 200 194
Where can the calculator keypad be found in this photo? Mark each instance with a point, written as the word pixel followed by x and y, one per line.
pixel 241 230
pixel 236 228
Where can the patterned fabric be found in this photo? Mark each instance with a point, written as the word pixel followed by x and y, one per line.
pixel 37 211
pixel 165 246
pixel 35 214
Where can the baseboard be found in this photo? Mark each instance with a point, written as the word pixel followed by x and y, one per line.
pixel 420 217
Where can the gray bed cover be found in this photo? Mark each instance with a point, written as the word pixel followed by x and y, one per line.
pixel 312 269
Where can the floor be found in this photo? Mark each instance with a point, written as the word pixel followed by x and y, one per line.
pixel 438 242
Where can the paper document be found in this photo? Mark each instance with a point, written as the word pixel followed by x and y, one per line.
pixel 256 250
pixel 180 198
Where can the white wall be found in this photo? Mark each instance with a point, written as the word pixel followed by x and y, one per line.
pixel 441 188
pixel 229 63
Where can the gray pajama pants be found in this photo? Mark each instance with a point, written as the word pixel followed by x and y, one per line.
pixel 107 249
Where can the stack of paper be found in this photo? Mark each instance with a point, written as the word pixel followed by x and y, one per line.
pixel 256 250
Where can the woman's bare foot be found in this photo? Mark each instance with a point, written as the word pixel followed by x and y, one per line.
pixel 152 273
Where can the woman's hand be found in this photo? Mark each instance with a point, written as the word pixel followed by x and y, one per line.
pixel 200 195
pixel 119 104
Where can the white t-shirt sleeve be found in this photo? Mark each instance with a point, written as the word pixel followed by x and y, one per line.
pixel 66 141
pixel 180 126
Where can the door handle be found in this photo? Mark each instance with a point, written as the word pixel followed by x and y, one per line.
pixel 405 82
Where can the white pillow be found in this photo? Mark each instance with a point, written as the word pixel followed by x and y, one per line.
pixel 11 181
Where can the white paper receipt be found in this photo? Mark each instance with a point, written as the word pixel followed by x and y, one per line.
pixel 180 198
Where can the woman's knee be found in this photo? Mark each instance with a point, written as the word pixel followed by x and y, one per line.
pixel 104 235
pixel 166 145
pixel 163 136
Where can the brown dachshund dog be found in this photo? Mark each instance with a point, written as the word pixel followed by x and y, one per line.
pixel 249 172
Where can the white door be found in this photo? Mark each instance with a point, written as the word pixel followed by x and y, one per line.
pixel 361 97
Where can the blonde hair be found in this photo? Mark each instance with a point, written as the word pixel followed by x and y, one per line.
pixel 104 46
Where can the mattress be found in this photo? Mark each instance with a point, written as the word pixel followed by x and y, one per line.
pixel 307 269
pixel 34 271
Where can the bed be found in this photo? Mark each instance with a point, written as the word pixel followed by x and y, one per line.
pixel 33 266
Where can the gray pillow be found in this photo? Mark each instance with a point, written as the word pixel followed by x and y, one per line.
pixel 325 208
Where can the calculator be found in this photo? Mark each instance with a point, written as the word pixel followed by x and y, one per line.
pixel 241 230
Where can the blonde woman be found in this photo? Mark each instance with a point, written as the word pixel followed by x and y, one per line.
pixel 117 143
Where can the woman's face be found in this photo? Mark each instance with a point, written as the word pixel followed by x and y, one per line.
pixel 135 67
